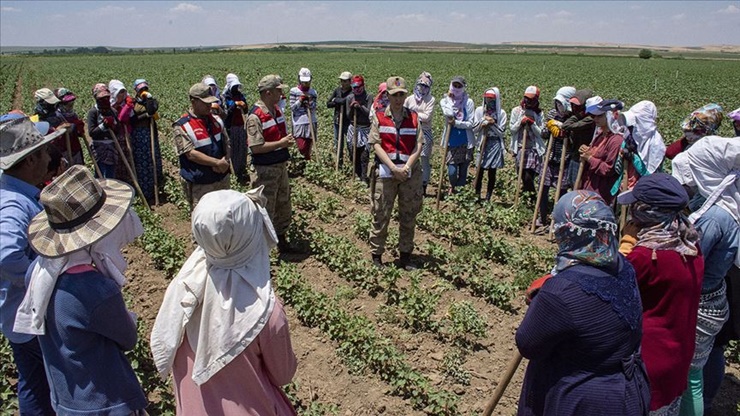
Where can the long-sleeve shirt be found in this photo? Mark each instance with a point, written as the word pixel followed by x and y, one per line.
pixel 18 205
pixel 251 381
pixel 299 112
pixel 363 111
pixel 337 101
pixel 88 328
pixel 599 174
pixel 534 136
pixel 105 150
pixel 496 130
pixel 581 131
pixel 466 124
pixel 670 286
pixel 424 110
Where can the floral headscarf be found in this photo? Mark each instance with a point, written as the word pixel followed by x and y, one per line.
pixel 585 230
pixel 704 121
pixel 664 229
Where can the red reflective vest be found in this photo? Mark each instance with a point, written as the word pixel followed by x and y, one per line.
pixel 397 143
pixel 273 129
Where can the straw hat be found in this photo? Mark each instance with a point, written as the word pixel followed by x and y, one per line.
pixel 78 211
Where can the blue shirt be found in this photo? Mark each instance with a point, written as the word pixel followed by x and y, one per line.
pixel 87 331
pixel 720 240
pixel 18 205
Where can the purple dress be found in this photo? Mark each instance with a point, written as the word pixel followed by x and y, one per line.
pixel 582 335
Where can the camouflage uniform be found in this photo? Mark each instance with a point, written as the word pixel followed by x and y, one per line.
pixel 274 177
pixel 409 193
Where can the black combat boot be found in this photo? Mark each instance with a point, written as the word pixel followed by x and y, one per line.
pixel 406 263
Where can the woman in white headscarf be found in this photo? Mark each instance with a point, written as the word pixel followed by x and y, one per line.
pixel 642 141
pixel 711 168
pixel 221 331
pixel 458 109
pixel 491 120
pixel 423 103
pixel 235 106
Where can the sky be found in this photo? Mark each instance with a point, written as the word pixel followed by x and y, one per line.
pixel 194 23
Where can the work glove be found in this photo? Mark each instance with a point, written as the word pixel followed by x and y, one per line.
pixel 240 104
pixel 555 127
pixel 527 121
pixel 535 287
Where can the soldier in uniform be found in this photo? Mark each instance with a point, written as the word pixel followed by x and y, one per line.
pixel 395 138
pixel 268 139
pixel 204 154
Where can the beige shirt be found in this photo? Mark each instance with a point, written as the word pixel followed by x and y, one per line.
pixel 424 110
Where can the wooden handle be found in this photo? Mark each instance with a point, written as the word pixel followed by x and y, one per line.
pixel 561 172
pixel 503 383
pixel 521 167
pixel 448 129
pixel 543 173
pixel 130 170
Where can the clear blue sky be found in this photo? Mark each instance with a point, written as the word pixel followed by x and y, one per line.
pixel 194 23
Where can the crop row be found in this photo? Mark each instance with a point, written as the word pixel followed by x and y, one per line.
pixel 359 345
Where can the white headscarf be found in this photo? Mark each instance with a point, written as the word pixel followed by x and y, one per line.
pixel 115 87
pixel 643 117
pixel 105 254
pixel 564 95
pixel 712 166
pixel 222 297
pixel 231 80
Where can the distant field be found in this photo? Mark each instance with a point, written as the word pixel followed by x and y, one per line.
pixel 676 86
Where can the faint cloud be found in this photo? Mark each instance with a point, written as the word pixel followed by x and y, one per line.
pixel 677 17
pixel 458 15
pixel 731 9
pixel 9 9
pixel 509 16
pixel 635 7
pixel 540 16
pixel 419 17
pixel 186 8
pixel 562 14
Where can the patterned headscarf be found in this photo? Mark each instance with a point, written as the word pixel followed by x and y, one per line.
pixel 585 230
pixel 664 229
pixel 459 97
pixel 423 86
pixel 704 121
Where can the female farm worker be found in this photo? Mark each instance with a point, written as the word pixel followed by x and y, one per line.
pixel 74 301
pixel 394 136
pixel 600 157
pixel 423 103
pixel 490 120
pixel 663 247
pixel 583 329
pixel 303 110
pixel 458 110
pixel 221 331
pixel 527 118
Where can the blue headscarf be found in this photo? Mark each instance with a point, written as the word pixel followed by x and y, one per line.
pixel 585 230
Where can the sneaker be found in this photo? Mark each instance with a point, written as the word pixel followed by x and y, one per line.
pixel 405 262
pixel 377 262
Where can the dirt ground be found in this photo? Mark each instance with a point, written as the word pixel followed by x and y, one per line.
pixel 323 377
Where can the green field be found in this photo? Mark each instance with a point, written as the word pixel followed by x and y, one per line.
pixel 676 86
pixel 373 341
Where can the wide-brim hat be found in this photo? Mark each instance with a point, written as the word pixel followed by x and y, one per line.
pixel 79 210
pixel 19 137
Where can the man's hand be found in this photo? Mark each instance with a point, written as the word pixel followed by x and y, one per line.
pixel 287 141
pixel 400 174
pixel 222 166
pixel 354 104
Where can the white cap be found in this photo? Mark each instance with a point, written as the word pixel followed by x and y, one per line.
pixel 304 75
pixel 346 75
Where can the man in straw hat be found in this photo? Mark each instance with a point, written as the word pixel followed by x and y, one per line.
pixel 74 302
pixel 23 160
pixel 204 154
pixel 269 141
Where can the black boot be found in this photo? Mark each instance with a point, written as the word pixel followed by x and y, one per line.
pixel 377 262
pixel 406 263
pixel 284 246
